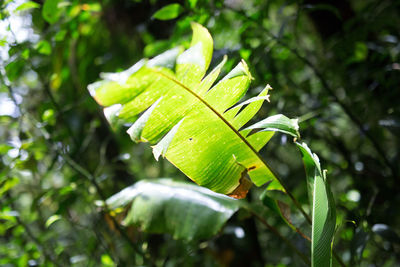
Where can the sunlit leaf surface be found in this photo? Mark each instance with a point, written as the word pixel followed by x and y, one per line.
pixel 191 118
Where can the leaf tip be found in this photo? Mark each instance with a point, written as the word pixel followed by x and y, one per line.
pixel 156 152
pixel 162 147
pixel 246 69
pixel 92 88
pixel 111 112
pixel 135 131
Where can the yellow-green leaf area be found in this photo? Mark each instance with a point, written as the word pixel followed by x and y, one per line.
pixel 208 144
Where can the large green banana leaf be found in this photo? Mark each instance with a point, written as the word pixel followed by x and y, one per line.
pixel 185 211
pixel 323 209
pixel 170 102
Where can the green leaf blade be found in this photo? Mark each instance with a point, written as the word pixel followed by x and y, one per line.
pixel 26 6
pixel 184 210
pixel 135 131
pixel 162 147
pixel 253 105
pixel 278 123
pixel 168 12
pixel 51 12
pixel 229 90
pixel 323 209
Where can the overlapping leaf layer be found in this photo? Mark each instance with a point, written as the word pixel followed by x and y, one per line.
pixel 186 211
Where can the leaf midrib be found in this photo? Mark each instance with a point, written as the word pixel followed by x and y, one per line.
pixel 220 116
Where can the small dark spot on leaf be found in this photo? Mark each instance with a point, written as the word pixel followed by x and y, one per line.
pixel 251 168
pixel 190 139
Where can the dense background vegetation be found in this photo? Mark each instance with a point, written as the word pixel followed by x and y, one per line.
pixel 333 64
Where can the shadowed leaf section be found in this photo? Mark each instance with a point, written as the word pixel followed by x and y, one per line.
pixel 323 209
pixel 184 210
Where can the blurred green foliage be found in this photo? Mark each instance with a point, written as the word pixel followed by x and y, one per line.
pixel 334 65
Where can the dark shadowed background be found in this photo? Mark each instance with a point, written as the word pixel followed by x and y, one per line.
pixel 335 65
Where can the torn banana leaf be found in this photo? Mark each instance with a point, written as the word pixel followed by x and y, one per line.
pixel 191 119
